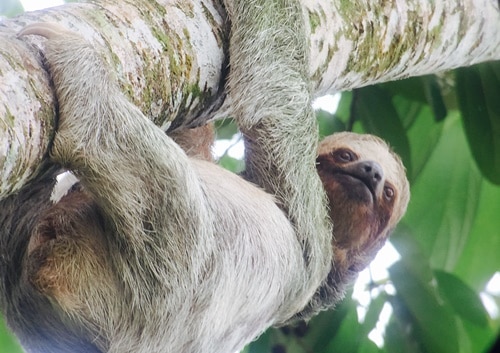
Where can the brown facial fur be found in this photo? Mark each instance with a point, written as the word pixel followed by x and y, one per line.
pixel 363 214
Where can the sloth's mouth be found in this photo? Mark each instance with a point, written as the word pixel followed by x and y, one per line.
pixel 356 187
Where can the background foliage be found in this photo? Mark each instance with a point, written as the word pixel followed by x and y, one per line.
pixel 447 130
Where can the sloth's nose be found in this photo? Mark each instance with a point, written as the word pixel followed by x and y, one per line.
pixel 371 173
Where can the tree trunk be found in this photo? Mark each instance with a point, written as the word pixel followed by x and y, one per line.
pixel 170 58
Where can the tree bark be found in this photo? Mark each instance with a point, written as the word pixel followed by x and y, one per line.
pixel 363 42
pixel 170 58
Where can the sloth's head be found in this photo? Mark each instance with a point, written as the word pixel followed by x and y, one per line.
pixel 367 189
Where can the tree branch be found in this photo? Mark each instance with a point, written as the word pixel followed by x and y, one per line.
pixel 171 57
pixel 363 42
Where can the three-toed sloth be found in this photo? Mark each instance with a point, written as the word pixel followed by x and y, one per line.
pixel 154 251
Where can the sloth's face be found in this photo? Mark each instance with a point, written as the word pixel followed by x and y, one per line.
pixel 366 187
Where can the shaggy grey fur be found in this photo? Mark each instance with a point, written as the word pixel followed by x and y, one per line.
pixel 180 255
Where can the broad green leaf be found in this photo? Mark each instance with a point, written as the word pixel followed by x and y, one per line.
pixel 329 123
pixel 373 106
pixel 481 258
pixel 344 108
pixel 411 89
pixel 373 314
pixel 424 90
pixel 348 337
pixel 397 339
pixel 412 254
pixel 434 98
pixel 419 105
pixel 462 298
pixel 478 339
pixel 445 199
pixel 408 110
pixel 422 130
pixel 367 346
pixel 434 326
pixel 424 135
pixel 478 90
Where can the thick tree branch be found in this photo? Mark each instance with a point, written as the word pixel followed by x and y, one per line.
pixel 362 42
pixel 169 57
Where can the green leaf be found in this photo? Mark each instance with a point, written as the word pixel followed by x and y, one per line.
pixel 367 346
pixel 347 338
pixel 478 339
pixel 424 133
pixel 434 326
pixel 445 199
pixel 480 258
pixel 344 108
pixel 373 313
pixel 412 254
pixel 424 90
pixel 421 109
pixel 434 98
pixel 373 106
pixel 422 130
pixel 478 90
pixel 462 298
pixel 408 110
pixel 329 123
pixel 411 89
pixel 396 338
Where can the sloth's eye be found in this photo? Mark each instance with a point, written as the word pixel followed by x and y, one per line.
pixel 344 156
pixel 389 193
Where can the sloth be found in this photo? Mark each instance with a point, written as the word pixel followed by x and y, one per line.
pixel 371 197
pixel 368 194
pixel 156 251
